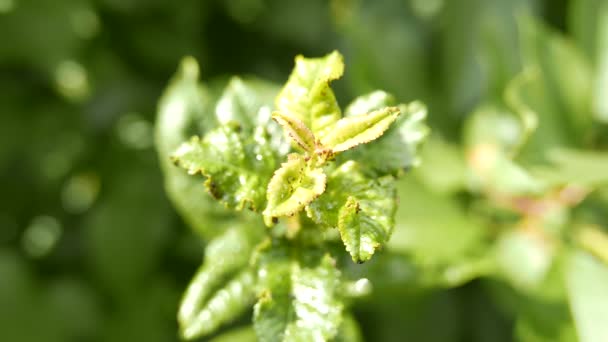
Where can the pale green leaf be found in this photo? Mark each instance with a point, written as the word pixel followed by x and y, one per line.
pixel 524 259
pixel 351 131
pixel 213 296
pixel 292 187
pixel 298 297
pixel 297 131
pixel 237 167
pixel 307 95
pixel 580 167
pixel 587 282
pixel 362 208
pixel 397 149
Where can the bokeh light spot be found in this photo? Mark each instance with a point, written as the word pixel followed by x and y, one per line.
pixel 80 192
pixel 41 236
pixel 134 132
pixel 71 80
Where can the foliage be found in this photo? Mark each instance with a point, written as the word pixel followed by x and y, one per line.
pixel 293 269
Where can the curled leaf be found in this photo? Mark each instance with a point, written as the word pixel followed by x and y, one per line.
pixel 355 130
pixel 292 187
pixel 296 130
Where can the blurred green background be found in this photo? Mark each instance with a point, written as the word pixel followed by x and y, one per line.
pixel 91 249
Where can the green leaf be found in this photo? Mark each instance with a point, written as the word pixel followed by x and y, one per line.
pixel 589 27
pixel 298 296
pixel 524 259
pixel 237 167
pixel 570 166
pixel 224 306
pixel 362 208
pixel 364 104
pixel 397 149
pixel 297 131
pixel 247 103
pixel 349 330
pixel 351 131
pixel 449 244
pixel 587 282
pixel 307 95
pixel 245 334
pixel 222 287
pixel 292 187
pixel 187 108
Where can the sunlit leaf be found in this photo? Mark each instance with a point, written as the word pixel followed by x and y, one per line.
pixel 351 131
pixel 397 149
pixel 307 95
pixel 292 187
pixel 297 131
